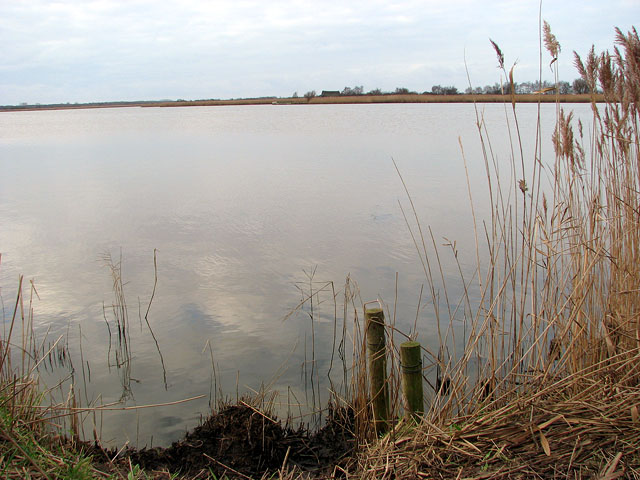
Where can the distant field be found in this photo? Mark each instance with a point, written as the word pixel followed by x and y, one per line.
pixel 415 98
pixel 391 98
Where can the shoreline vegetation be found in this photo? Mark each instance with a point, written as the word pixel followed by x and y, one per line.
pixel 327 100
pixel 547 384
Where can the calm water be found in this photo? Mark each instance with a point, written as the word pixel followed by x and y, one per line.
pixel 242 204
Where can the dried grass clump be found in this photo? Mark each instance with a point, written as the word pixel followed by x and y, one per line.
pixel 576 427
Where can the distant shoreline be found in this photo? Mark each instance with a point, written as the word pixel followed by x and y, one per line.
pixel 329 100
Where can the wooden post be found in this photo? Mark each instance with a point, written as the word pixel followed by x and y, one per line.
pixel 376 347
pixel 411 362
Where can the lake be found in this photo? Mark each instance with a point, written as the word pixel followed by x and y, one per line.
pixel 249 209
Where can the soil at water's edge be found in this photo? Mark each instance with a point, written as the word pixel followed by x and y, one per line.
pixel 239 439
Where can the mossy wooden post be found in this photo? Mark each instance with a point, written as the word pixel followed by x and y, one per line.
pixel 411 361
pixel 376 347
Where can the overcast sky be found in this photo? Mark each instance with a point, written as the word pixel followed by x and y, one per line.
pixel 82 51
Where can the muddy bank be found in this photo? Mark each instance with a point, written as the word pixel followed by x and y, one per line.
pixel 238 441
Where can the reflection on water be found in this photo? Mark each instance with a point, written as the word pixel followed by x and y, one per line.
pixel 239 202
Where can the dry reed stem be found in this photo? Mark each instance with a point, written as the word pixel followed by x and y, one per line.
pixel 568 425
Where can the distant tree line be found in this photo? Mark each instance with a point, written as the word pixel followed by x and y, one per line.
pixel 577 86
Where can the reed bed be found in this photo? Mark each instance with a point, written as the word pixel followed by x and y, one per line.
pixel 556 333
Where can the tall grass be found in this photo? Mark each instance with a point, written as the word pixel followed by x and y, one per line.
pixel 556 332
pixel 37 434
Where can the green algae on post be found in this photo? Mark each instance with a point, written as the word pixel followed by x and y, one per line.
pixel 376 347
pixel 411 362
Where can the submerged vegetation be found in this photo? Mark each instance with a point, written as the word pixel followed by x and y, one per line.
pixel 545 385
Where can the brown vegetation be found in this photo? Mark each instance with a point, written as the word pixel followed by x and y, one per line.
pixel 319 100
pixel 557 333
pixel 390 98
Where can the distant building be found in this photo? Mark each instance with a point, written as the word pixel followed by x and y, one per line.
pixel 330 93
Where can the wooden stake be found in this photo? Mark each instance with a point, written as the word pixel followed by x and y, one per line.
pixel 411 361
pixel 376 347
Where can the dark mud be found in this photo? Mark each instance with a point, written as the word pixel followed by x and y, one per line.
pixel 240 442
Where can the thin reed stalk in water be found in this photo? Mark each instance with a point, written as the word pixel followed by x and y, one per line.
pixel 119 311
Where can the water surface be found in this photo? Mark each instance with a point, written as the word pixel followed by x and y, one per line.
pixel 248 207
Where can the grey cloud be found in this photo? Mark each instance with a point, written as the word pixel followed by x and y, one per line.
pixel 74 50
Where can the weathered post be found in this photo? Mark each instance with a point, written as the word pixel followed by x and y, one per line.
pixel 376 347
pixel 411 362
